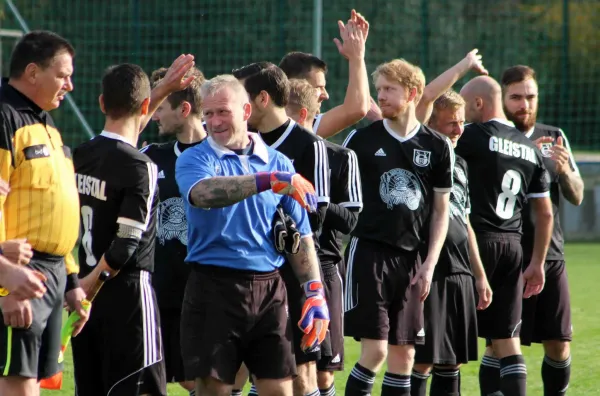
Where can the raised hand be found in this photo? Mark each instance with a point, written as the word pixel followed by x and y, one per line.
pixel 475 62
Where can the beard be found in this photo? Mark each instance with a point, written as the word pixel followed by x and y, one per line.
pixel 522 124
pixel 392 113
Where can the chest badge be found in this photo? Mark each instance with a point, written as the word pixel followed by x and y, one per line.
pixel 545 148
pixel 217 169
pixel 421 158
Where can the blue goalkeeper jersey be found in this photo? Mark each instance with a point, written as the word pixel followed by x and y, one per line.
pixel 236 236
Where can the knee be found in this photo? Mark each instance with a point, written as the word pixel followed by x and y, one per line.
pixel 187 385
pixel 400 359
pixel 506 347
pixel 212 387
pixel 325 379
pixel 447 367
pixel 373 354
pixel 558 351
pixel 422 368
pixel 306 379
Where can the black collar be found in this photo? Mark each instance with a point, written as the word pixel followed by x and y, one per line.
pixel 18 100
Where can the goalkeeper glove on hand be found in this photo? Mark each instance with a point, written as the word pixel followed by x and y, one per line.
pixel 287 183
pixel 280 232
pixel 292 239
pixel 314 320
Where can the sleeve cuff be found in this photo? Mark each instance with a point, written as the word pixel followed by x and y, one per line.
pixel 72 282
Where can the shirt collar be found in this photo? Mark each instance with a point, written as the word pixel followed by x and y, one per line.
pixel 529 133
pixel 260 148
pixel 502 121
pixel 17 99
pixel 115 136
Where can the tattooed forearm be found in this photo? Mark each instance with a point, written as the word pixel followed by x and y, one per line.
pixel 571 185
pixel 305 263
pixel 219 192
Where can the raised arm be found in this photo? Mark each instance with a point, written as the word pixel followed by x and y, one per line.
pixel 357 101
pixel 445 81
pixel 571 183
pixel 219 192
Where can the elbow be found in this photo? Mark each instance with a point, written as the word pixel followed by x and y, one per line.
pixel 545 217
pixel 577 198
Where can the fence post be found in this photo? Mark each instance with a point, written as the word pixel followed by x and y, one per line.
pixel 564 91
pixel 317 27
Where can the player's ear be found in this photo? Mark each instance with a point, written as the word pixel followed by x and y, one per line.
pixel 186 109
pixel 412 94
pixel 145 106
pixel 478 103
pixel 247 111
pixel 264 98
pixel 101 102
pixel 302 115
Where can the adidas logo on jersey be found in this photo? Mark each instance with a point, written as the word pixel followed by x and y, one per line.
pixel 161 174
pixel 421 333
pixel 380 153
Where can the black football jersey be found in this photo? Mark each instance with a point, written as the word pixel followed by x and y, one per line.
pixel 556 249
pixel 170 270
pixel 117 185
pixel 454 257
pixel 346 192
pixel 398 177
pixel 505 168
pixel 308 155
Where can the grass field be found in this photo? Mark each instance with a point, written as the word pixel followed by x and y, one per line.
pixel 584 276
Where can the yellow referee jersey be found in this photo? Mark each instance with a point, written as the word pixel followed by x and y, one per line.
pixel 43 203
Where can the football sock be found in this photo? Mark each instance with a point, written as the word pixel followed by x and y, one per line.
pixel 395 385
pixel 360 381
pixel 193 392
pixel 445 382
pixel 513 375
pixel 418 383
pixel 555 376
pixel 253 391
pixel 236 392
pixel 489 375
pixel 329 391
pixel 316 392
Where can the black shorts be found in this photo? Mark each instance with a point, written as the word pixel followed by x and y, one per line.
pixel 119 351
pixel 232 316
pixel 33 352
pixel 450 322
pixel 502 258
pixel 170 322
pixel 334 293
pixel 547 316
pixel 296 298
pixel 380 303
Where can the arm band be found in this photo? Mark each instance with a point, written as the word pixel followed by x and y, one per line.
pixel 123 246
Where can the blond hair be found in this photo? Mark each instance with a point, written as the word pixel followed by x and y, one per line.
pixel 303 95
pixel 404 73
pixel 448 100
pixel 220 82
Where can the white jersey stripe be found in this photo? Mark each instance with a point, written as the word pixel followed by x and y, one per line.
pixel 349 300
pixel 347 140
pixel 321 172
pixel 354 184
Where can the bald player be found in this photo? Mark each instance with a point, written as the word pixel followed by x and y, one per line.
pixel 506 171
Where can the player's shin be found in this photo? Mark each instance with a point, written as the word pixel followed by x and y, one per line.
pixel 396 381
pixel 445 381
pixel 418 379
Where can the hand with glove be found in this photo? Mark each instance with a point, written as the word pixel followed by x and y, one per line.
pixel 314 320
pixel 286 236
pixel 287 183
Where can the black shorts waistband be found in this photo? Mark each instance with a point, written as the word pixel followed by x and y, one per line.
pixel 329 270
pixel 47 258
pixel 498 236
pixel 227 272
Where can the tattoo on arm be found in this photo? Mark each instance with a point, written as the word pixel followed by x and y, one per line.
pixel 219 192
pixel 305 263
pixel 571 185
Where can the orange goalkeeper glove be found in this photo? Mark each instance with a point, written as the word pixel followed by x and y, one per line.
pixel 287 183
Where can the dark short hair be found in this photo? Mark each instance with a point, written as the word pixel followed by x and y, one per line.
pixel 299 64
pixel 517 74
pixel 248 70
pixel 273 81
pixel 191 94
pixel 124 89
pixel 39 47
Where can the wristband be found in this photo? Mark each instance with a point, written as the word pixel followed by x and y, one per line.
pixel 313 288
pixel 263 181
pixel 72 282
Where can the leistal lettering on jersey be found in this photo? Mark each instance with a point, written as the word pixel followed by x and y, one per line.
pixel 508 147
pixel 92 186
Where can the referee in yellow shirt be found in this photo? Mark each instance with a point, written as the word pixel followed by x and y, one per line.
pixel 42 207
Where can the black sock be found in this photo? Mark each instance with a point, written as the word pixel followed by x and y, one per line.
pixel 418 383
pixel 444 382
pixel 253 391
pixel 314 393
pixel 395 385
pixel 236 392
pixel 328 391
pixel 556 376
pixel 489 375
pixel 513 375
pixel 360 381
pixel 193 392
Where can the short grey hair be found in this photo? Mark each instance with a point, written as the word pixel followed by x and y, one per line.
pixel 220 82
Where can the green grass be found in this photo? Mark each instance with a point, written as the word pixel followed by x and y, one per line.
pixel 584 273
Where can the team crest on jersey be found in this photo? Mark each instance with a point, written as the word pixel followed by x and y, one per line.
pixel 545 148
pixel 458 202
pixel 400 187
pixel 421 157
pixel 460 175
pixel 172 223
pixel 217 169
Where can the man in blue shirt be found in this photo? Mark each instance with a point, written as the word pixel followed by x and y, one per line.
pixel 235 304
